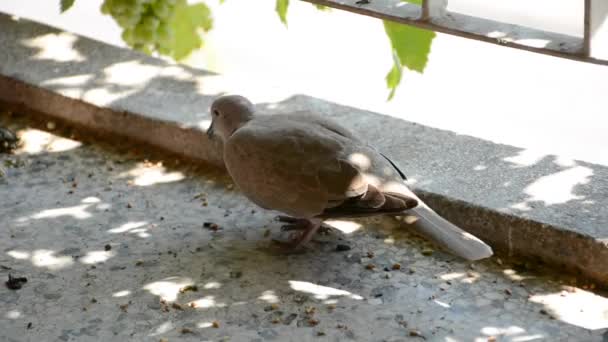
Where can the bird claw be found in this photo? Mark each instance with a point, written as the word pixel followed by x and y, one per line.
pixel 323 229
pixel 292 227
pixel 286 219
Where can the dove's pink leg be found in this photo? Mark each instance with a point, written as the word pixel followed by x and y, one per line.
pixel 307 233
pixel 299 224
pixel 307 228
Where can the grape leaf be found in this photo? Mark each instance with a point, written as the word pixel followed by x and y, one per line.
pixel 410 46
pixel 186 21
pixel 281 9
pixel 66 5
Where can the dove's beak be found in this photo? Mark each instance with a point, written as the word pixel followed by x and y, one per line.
pixel 210 131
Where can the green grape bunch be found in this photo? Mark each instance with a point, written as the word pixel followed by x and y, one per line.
pixel 146 24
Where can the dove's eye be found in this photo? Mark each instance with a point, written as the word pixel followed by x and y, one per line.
pixel 216 112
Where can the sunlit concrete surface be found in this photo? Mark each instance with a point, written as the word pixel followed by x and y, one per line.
pixel 112 245
pixel 542 104
pixel 472 181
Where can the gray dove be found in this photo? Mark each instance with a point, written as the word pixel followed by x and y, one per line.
pixel 313 169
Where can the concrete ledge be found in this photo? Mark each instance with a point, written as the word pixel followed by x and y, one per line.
pixel 549 209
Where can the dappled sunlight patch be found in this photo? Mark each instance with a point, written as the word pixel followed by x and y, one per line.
pixel 62 144
pixel 72 86
pixel 178 72
pixel 496 34
pixel 321 292
pixel 360 160
pixel 163 328
pixel 390 240
pixel 346 227
pixel 105 97
pixel 206 303
pixel 452 276
pixel 558 188
pixel 12 314
pixel 534 42
pixel 564 161
pixel 91 199
pixel 514 276
pixel 47 259
pixel 387 171
pixel 581 308
pixel 513 333
pixel 392 186
pixel 509 331
pixel 408 219
pixel 56 47
pixel 373 179
pixel 103 206
pixel 140 232
pixel 206 324
pixel 522 206
pixel 127 227
pixel 78 212
pixel 131 73
pixel 145 175
pixel 34 141
pixel 203 124
pixel 525 158
pixel 95 257
pixel 72 81
pixel 525 338
pixel 442 304
pixel 269 296
pixel 212 285
pixel 20 255
pixel 471 277
pixel 122 293
pixel 168 288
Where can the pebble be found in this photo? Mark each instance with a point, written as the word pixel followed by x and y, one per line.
pixel 15 283
pixel 427 251
pixel 342 248
pixel 416 333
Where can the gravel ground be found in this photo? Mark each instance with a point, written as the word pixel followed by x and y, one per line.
pixel 117 245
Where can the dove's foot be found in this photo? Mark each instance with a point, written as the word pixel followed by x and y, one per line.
pixel 307 229
pixel 300 224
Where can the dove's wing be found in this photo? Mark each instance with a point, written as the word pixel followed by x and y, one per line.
pixel 303 168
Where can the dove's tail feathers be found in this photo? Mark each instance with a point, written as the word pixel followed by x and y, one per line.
pixel 447 235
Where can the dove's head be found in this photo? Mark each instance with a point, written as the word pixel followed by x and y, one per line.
pixel 228 113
